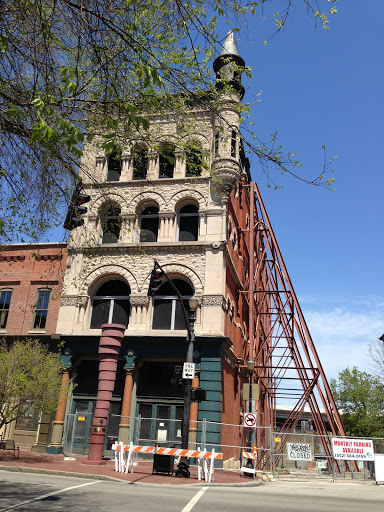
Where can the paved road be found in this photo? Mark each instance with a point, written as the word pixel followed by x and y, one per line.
pixel 36 493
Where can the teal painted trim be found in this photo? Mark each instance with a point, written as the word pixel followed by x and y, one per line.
pixel 210 416
pixel 210 385
pixel 214 396
pixel 54 450
pixel 211 406
pixel 210 366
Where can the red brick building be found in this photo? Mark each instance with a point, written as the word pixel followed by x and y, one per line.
pixel 31 279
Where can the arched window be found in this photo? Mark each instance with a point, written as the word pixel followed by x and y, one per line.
pixel 167 311
pixel 149 224
pixel 140 163
pixel 194 161
pixel 5 302
pixel 188 223
pixel 167 162
pixel 114 167
pixel 111 224
pixel 110 304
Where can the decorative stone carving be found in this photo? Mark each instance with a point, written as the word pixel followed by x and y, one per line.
pixel 213 300
pixel 227 173
pixel 139 300
pixel 68 300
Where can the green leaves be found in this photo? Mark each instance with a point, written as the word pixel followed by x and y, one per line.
pixel 359 396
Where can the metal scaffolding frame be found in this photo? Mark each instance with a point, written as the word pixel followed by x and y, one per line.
pixel 286 361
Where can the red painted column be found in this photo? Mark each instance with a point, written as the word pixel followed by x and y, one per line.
pixel 112 336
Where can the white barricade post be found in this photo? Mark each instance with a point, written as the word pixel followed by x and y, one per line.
pixel 118 449
pixel 129 461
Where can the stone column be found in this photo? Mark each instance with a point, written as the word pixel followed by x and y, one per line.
pixel 193 415
pixel 112 336
pixel 58 425
pixel 126 406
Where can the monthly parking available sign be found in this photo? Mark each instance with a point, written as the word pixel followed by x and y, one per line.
pixel 353 449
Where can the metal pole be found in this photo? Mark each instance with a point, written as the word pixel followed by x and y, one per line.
pixel 249 462
pixel 183 466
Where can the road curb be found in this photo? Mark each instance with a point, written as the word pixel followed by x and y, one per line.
pixel 90 476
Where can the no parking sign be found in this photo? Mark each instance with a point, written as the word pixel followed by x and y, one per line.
pixel 250 420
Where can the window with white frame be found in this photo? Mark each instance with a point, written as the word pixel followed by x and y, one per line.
pixel 5 302
pixel 167 310
pixel 149 224
pixel 110 304
pixel 188 223
pixel 41 309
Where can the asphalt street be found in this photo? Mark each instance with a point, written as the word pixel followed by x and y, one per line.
pixel 35 492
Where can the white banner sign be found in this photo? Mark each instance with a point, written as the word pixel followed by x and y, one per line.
pixel 352 449
pixel 299 451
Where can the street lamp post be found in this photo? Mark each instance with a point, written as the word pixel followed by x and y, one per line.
pixel 250 367
pixel 183 465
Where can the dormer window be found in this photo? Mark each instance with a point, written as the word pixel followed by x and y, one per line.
pixel 167 162
pixel 114 167
pixel 140 163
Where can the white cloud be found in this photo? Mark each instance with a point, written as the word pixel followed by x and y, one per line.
pixel 342 334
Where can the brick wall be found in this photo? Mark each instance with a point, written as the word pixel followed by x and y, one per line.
pixel 25 269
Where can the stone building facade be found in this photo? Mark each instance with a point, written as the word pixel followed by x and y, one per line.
pixel 179 200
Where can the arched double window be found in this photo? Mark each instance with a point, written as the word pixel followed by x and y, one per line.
pixel 111 225
pixel 194 161
pixel 167 311
pixel 114 167
pixel 149 224
pixel 110 304
pixel 188 223
pixel 140 163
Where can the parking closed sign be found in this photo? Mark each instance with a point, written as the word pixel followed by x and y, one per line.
pixel 299 451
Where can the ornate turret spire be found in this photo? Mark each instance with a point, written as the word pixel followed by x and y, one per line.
pixel 228 64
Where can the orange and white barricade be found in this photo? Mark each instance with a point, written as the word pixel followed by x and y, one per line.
pixel 206 460
pixel 249 456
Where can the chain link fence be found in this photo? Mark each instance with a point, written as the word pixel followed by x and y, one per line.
pixel 283 455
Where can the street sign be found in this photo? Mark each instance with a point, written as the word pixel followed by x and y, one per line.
pixel 255 392
pixel 249 420
pixel 188 370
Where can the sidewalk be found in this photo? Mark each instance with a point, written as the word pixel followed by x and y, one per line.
pixel 56 464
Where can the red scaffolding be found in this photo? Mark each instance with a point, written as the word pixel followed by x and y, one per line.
pixel 287 365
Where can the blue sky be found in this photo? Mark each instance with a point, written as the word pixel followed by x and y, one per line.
pixel 326 87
